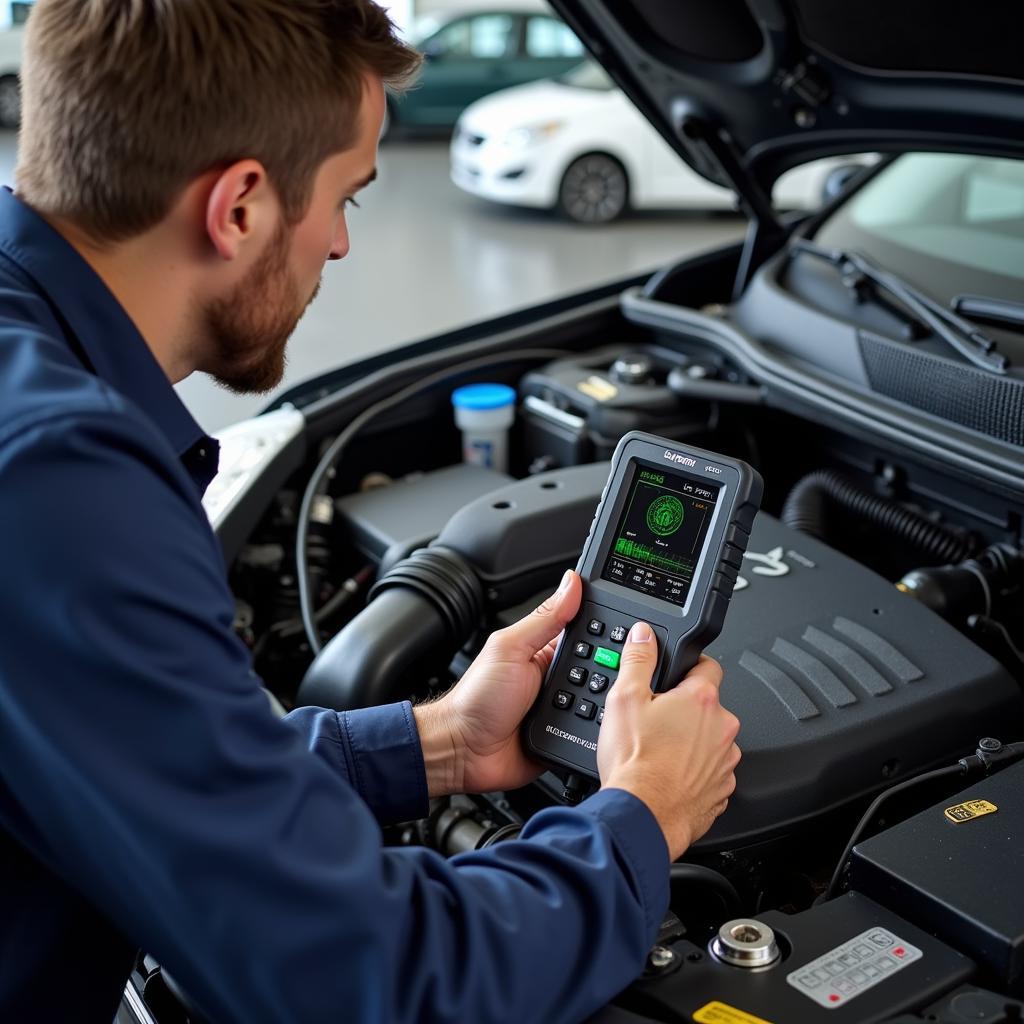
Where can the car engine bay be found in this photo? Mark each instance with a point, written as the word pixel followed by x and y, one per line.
pixel 873 646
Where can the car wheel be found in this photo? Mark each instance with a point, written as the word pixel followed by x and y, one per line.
pixel 10 102
pixel 594 189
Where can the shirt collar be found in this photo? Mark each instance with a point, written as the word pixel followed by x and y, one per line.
pixel 117 352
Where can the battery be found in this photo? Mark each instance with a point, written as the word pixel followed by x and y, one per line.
pixel 957 871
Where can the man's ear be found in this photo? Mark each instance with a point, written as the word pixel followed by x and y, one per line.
pixel 241 206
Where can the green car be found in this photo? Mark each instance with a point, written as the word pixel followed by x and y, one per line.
pixel 476 54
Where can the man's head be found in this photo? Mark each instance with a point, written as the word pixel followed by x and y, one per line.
pixel 128 104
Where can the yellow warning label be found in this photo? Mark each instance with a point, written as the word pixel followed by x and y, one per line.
pixel 597 387
pixel 719 1013
pixel 971 809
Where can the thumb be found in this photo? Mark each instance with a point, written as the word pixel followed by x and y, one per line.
pixel 639 659
pixel 530 634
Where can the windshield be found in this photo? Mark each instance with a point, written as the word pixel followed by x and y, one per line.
pixel 588 75
pixel 949 223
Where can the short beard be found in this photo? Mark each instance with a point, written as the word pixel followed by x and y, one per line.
pixel 248 330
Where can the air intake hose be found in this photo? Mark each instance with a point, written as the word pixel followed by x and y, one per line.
pixel 807 509
pixel 419 614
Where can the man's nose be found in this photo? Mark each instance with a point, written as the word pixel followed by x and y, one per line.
pixel 340 245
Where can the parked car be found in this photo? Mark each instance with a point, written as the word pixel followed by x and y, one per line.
pixel 868 360
pixel 476 54
pixel 577 145
pixel 10 70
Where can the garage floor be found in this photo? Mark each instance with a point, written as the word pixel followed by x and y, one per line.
pixel 427 258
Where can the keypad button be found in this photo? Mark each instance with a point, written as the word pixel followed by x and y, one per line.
pixel 578 675
pixel 595 627
pixel 563 699
pixel 598 683
pixel 585 708
pixel 618 634
pixel 600 715
pixel 582 649
pixel 606 657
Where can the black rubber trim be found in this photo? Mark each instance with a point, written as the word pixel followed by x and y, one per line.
pixel 855 666
pixel 824 680
pixel 793 699
pixel 880 648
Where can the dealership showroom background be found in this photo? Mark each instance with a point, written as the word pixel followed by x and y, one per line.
pixel 427 257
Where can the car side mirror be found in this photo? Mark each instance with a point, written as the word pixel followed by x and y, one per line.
pixel 837 179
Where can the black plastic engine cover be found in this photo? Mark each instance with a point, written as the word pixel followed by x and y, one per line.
pixel 842 685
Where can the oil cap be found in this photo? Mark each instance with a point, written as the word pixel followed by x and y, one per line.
pixel 744 942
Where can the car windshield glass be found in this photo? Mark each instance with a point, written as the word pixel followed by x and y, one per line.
pixel 949 223
pixel 588 76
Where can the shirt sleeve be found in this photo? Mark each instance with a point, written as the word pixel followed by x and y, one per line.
pixel 150 773
pixel 376 750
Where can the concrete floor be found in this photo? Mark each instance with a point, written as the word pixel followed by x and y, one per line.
pixel 427 258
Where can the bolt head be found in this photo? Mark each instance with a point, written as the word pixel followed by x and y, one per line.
pixel 660 957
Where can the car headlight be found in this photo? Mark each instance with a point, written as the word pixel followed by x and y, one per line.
pixel 520 138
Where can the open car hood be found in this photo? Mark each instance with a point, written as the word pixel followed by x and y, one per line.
pixel 745 89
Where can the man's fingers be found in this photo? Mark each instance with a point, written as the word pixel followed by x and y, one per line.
pixel 541 626
pixel 544 656
pixel 707 670
pixel 639 659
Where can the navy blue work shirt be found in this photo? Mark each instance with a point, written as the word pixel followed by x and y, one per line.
pixel 150 798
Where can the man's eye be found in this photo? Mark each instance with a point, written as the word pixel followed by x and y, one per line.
pixel 349 201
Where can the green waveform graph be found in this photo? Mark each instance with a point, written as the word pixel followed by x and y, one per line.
pixel 641 553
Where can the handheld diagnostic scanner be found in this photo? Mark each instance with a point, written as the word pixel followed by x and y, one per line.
pixel 665 547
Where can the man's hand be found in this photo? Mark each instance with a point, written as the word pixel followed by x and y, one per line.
pixel 673 750
pixel 470 737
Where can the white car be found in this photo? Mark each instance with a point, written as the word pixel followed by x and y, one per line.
pixel 578 145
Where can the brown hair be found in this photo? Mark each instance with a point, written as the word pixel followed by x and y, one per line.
pixel 127 101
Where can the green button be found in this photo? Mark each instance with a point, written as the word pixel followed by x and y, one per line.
pixel 610 659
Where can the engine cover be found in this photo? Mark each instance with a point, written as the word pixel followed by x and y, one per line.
pixel 842 684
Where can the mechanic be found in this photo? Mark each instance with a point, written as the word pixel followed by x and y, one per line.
pixel 183 173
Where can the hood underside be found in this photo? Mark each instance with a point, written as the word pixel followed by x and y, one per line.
pixel 745 89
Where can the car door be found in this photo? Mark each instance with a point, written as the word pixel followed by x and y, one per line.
pixel 465 59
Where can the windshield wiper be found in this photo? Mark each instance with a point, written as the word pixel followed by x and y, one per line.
pixel 990 310
pixel 856 270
